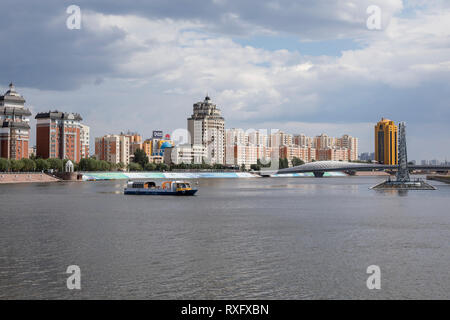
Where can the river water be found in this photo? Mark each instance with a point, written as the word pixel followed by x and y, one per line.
pixel 265 238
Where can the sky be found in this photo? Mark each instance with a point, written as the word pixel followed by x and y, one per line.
pixel 301 66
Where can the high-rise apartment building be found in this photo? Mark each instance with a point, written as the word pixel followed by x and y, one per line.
pixel 206 127
pixel 58 135
pixel 280 138
pixel 14 125
pixel 113 148
pixel 258 138
pixel 303 140
pixel 351 144
pixel 386 148
pixel 84 140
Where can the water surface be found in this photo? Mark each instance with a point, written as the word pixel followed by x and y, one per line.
pixel 265 238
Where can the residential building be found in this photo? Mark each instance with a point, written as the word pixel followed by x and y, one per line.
pixel 258 138
pixel 351 144
pixel 14 125
pixel 386 148
pixel 324 142
pixel 58 135
pixel 367 156
pixel 306 154
pixel 280 138
pixel 206 127
pixel 185 153
pixel 85 141
pixel 303 140
pixel 241 155
pixel 333 154
pixel 113 148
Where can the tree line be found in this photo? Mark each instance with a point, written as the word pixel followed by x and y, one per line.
pixel 140 162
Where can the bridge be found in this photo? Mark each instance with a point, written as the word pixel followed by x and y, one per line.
pixel 320 167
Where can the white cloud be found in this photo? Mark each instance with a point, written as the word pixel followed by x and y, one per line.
pixel 169 62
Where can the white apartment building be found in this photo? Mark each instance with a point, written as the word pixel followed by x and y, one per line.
pixel 206 127
pixel 185 153
pixel 84 140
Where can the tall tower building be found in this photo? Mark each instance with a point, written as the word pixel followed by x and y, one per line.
pixel 58 135
pixel 206 127
pixel 14 125
pixel 386 148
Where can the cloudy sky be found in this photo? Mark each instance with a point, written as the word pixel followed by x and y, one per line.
pixel 302 66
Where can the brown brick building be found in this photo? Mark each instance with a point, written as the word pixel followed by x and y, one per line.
pixel 58 135
pixel 14 125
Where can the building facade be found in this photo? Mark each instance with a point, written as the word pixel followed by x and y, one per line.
pixel 185 153
pixel 206 127
pixel 85 140
pixel 386 139
pixel 14 125
pixel 113 148
pixel 58 135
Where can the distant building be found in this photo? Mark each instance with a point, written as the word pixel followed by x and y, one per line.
pixel 207 128
pixel 303 140
pixel 135 142
pixel 306 154
pixel 113 148
pixel 332 154
pixel 147 147
pixel 351 144
pixel 280 138
pixel 84 140
pixel 58 135
pixel 367 156
pixel 386 148
pixel 185 153
pixel 14 125
pixel 32 151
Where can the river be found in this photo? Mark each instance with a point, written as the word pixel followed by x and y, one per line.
pixel 258 238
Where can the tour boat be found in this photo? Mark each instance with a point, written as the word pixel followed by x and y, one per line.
pixel 173 188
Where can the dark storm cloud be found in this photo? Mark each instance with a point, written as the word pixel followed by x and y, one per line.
pixel 39 51
pixel 316 19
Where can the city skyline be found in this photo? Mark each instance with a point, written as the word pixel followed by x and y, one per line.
pixel 139 66
pixel 91 138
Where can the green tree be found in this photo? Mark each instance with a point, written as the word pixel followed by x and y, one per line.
pixel 162 167
pixel 55 164
pixel 42 165
pixel 5 164
pixel 28 165
pixel 283 163
pixel 242 167
pixel 297 162
pixel 140 157
pixel 255 167
pixel 150 166
pixel 16 165
pixel 120 166
pixel 134 167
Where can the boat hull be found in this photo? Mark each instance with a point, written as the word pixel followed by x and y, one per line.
pixel 159 192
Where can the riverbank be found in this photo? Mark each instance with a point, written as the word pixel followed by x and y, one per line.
pixel 94 176
pixel 439 177
pixel 26 178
